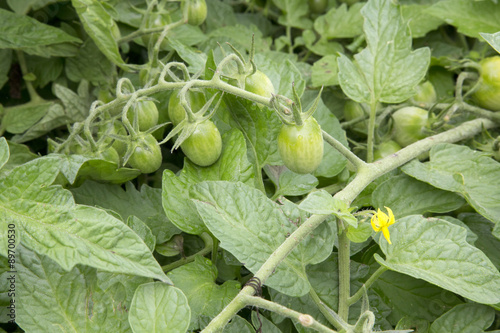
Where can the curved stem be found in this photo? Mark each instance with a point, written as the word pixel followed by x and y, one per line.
pixel 207 239
pixel 354 298
pixel 286 312
pixel 334 319
pixel 356 161
pixel 371 131
pixel 344 272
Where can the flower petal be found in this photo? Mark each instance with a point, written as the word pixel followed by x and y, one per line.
pixel 387 235
pixel 391 216
pixel 375 223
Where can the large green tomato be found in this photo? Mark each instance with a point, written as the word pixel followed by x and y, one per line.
pixel 488 93
pixel 195 11
pixel 258 83
pixel 147 114
pixel 409 125
pixel 204 146
pixel 147 155
pixel 301 147
pixel 176 111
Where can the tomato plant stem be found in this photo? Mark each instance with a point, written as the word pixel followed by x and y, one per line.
pixel 371 131
pixel 355 160
pixel 344 272
pixel 286 312
pixel 354 298
pixel 329 314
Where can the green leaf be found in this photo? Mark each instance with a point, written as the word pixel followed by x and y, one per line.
pixel 90 64
pixel 77 168
pixel 252 227
pixel 472 174
pixel 205 297
pixel 145 204
pixel 360 234
pixel 48 222
pixel 232 165
pixel 294 12
pixel 464 318
pixel 387 70
pixel 470 17
pixel 492 39
pixel 141 229
pixel 260 128
pixel 46 70
pixel 486 242
pixel 158 307
pixel 288 182
pixel 413 297
pixel 281 71
pixel 322 202
pixel 24 6
pixel 408 196
pixel 436 251
pixel 5 62
pixel 471 236
pixel 49 296
pixel 341 22
pixel 194 58
pixel 239 325
pixel 76 108
pixel 419 21
pixel 25 33
pixel 321 46
pixel 4 152
pixel 99 25
pixel 325 71
pixel 19 154
pixel 20 118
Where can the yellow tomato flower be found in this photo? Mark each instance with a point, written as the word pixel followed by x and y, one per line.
pixel 380 221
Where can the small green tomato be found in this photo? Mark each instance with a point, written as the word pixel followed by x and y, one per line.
pixel 204 146
pixel 147 155
pixel 195 11
pixel 488 93
pixel 409 125
pixel 260 84
pixel 301 147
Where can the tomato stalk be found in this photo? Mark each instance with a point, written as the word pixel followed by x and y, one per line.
pixel 371 131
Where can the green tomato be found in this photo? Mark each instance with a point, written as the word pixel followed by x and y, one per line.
pixel 488 93
pixel 353 110
pixel 176 112
pixel 301 147
pixel 259 84
pixel 156 20
pixel 147 114
pixel 195 11
pixel 385 149
pixel 425 93
pixel 204 146
pixel 109 154
pixel 147 155
pixel 409 125
pixel 318 6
